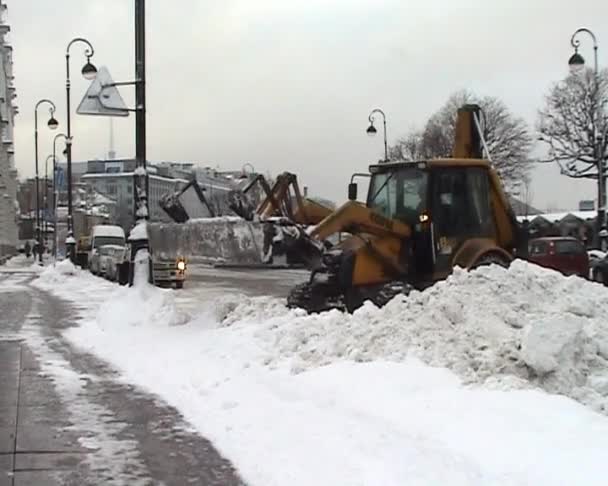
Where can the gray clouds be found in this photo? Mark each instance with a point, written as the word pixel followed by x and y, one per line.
pixel 289 84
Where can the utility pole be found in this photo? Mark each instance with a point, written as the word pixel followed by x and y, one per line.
pixel 139 235
pixel 140 113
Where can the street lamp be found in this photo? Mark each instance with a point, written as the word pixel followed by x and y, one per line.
pixel 576 64
pixel 52 124
pixel 55 191
pixel 45 200
pixel 371 130
pixel 89 71
pixel 251 169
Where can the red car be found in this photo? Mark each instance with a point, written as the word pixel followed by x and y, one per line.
pixel 564 254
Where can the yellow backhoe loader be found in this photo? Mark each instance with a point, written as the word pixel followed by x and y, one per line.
pixel 421 219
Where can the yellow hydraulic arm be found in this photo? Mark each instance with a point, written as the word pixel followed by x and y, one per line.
pixel 354 217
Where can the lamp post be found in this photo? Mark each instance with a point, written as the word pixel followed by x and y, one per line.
pixel 52 124
pixel 576 64
pixel 89 71
pixel 139 234
pixel 371 130
pixel 45 200
pixel 55 192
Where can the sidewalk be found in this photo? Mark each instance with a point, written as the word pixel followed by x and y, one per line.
pixel 35 447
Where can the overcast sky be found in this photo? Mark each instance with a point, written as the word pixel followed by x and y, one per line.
pixel 288 84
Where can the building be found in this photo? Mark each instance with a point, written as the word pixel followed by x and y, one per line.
pixel 579 224
pixel 8 173
pixel 114 179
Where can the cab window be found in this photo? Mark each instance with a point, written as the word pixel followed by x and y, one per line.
pixel 462 202
pixel 401 194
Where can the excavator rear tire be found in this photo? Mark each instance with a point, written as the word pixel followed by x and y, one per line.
pixel 491 258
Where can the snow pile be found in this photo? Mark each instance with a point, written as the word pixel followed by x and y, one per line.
pixel 140 305
pixel 58 273
pixel 522 327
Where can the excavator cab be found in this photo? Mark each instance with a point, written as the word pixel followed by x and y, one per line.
pixel 445 202
pixel 420 220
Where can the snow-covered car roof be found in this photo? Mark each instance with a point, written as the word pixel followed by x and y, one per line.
pixel 108 230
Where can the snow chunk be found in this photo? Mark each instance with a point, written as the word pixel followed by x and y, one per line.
pixel 139 231
pixel 553 343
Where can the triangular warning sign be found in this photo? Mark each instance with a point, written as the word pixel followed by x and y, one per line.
pixel 101 98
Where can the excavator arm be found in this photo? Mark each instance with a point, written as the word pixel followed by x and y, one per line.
pixel 355 218
pixel 284 199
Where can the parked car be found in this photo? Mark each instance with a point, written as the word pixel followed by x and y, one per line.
pixel 596 258
pixel 113 269
pixel 109 257
pixel 93 261
pixel 564 254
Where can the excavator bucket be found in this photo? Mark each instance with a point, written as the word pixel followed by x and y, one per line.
pixel 188 203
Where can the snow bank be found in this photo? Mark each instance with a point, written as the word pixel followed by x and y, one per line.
pixel 522 327
pixel 140 305
pixel 339 420
pixel 57 274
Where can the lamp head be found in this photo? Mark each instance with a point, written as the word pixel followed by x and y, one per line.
pixel 53 123
pixel 89 71
pixel 576 63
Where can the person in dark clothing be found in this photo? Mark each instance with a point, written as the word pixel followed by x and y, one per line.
pixel 27 249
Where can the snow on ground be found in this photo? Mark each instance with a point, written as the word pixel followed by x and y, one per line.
pixel 333 399
pixel 20 263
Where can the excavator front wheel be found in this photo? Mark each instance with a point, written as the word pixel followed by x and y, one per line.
pixel 379 295
pixel 315 297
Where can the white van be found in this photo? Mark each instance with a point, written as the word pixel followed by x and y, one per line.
pixel 106 234
pixel 103 235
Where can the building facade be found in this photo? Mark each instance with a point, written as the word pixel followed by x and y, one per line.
pixel 8 173
pixel 114 179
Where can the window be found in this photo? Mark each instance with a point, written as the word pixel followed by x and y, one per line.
pixel 108 240
pixel 400 194
pixel 461 202
pixel 111 189
pixel 538 248
pixel 479 193
pixel 383 194
pixel 568 247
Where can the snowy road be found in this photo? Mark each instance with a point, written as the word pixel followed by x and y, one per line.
pixel 250 282
pixel 205 283
pixel 67 419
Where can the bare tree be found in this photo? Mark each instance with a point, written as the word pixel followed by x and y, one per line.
pixel 508 139
pixel 574 124
pixel 527 193
pixel 408 147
